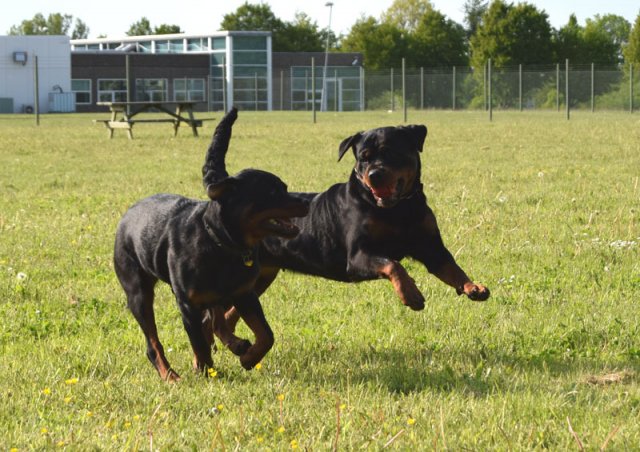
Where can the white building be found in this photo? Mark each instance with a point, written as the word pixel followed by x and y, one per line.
pixel 18 75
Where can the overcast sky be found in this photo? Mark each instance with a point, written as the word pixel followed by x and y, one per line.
pixel 114 18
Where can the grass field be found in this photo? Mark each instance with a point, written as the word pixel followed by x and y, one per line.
pixel 544 211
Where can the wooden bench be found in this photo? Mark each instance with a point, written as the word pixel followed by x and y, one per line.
pixel 124 115
pixel 111 125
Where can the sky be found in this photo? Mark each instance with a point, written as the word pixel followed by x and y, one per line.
pixel 114 18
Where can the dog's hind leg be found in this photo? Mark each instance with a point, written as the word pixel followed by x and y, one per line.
pixel 139 289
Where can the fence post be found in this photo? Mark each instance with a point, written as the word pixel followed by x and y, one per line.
pixel 127 74
pixel 484 86
pixel 490 100
pixel 362 86
pixel 453 90
pixel 281 90
pixel 404 91
pixel 566 87
pixel 335 90
pixel 558 87
pixel 631 87
pixel 255 89
pixel 313 88
pixel 224 88
pixel 593 88
pixel 36 90
pixel 421 88
pixel 393 103
pixel 520 85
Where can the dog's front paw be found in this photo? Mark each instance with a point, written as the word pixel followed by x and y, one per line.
pixel 248 361
pixel 476 292
pixel 239 347
pixel 412 297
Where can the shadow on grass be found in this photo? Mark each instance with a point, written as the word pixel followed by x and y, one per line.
pixel 469 372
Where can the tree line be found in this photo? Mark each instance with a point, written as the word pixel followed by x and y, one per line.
pixel 508 33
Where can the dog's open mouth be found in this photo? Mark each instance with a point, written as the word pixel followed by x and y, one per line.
pixel 387 196
pixel 281 226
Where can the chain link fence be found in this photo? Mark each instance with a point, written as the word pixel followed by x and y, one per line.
pixel 559 87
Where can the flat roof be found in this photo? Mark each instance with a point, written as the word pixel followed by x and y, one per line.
pixel 217 34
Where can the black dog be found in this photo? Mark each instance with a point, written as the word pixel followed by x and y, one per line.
pixel 360 230
pixel 207 252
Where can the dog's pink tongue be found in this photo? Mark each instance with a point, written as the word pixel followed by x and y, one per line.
pixel 382 192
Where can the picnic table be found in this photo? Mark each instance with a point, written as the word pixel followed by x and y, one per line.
pixel 124 115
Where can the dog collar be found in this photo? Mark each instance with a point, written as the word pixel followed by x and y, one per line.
pixel 247 255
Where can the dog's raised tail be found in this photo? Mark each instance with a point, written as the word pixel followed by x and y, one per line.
pixel 214 169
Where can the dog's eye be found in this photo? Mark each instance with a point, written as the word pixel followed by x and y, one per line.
pixel 366 154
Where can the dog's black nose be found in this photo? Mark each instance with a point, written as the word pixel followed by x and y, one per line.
pixel 376 177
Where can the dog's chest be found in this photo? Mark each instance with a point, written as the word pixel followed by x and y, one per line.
pixel 222 286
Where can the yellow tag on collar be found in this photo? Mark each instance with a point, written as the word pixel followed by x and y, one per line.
pixel 248 262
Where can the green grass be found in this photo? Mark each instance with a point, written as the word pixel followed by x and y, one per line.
pixel 543 211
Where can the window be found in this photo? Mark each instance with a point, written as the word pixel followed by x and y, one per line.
pixel 82 90
pixel 112 90
pixel 151 89
pixel 188 89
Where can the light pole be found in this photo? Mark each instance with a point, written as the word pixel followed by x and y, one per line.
pixel 323 106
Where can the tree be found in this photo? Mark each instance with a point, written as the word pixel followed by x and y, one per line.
pixel 166 29
pixel 382 44
pixel 143 28
pixel 437 41
pixel 605 37
pixel 406 14
pixel 510 35
pixel 632 49
pixel 250 17
pixel 301 35
pixel 140 28
pixel 568 41
pixel 54 24
pixel 601 41
pixel 473 12
pixel 80 31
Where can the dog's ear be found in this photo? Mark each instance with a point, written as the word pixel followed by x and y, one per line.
pixel 219 189
pixel 348 143
pixel 419 133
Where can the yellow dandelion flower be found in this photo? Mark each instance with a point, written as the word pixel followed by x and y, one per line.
pixel 281 429
pixel 89 413
pixel 220 407
pixel 127 424
pixel 260 439
pixel 13 449
pixel 411 421
pixel 136 417
pixel 71 381
pixel 67 400
pixel 60 444
pixel 294 444
pixel 343 406
pixel 46 391
pixel 280 397
pixel 258 366
pixel 212 372
pixel 44 430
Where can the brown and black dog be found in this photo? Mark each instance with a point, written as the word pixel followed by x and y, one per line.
pixel 361 229
pixel 207 252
